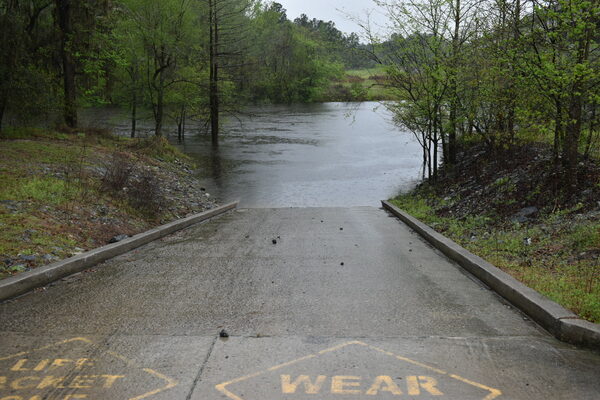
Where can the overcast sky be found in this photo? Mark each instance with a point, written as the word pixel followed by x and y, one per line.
pixel 333 10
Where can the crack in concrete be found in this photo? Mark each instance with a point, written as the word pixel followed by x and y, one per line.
pixel 201 369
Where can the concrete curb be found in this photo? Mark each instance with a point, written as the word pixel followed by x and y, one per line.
pixel 557 320
pixel 22 283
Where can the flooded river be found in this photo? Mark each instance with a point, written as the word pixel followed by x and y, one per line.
pixel 311 155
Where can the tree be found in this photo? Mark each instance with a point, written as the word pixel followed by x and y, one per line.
pixel 25 72
pixel 165 31
pixel 227 24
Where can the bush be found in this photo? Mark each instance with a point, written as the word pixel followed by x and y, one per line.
pixel 144 194
pixel 117 173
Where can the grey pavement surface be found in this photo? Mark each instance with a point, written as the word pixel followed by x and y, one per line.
pixel 349 303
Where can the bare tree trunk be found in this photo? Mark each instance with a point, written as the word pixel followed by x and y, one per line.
pixel 510 122
pixel 573 133
pixel 2 108
pixel 214 73
pixel 183 118
pixel 558 127
pixel 65 23
pixel 435 144
pixel 133 112
pixel 451 152
pixel 573 128
pixel 590 138
pixel 181 125
pixel 160 108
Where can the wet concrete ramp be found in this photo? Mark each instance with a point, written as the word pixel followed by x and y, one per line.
pixel 328 303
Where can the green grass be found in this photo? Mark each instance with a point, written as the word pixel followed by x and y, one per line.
pixel 14 133
pixel 360 85
pixel 44 172
pixel 158 148
pixel 366 73
pixel 372 89
pixel 17 152
pixel 41 239
pixel 42 189
pixel 549 257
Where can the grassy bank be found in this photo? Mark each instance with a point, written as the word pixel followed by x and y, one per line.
pixel 64 193
pixel 360 85
pixel 514 217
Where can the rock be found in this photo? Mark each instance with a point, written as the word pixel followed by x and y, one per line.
pixel 49 257
pixel 223 333
pixel 76 251
pixel 27 257
pixel 118 238
pixel 524 215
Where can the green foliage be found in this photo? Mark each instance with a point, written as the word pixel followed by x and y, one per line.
pixel 503 72
pixel 41 189
pixel 290 62
pixel 158 148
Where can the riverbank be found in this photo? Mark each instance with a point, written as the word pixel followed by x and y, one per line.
pixel 508 207
pixel 65 193
pixel 370 84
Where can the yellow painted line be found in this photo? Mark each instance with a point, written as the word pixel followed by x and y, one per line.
pixel 222 386
pixel 493 392
pixel 171 383
pixel 408 360
pixel 291 362
pixel 342 346
pixel 76 339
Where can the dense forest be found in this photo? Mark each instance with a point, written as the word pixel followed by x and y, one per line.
pixel 498 72
pixel 179 58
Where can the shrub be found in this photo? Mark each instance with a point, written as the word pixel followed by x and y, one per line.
pixel 117 173
pixel 145 195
